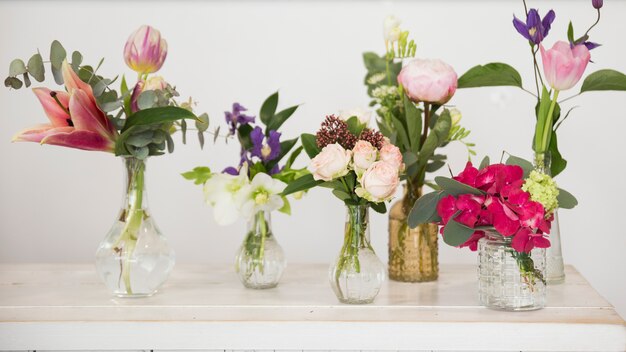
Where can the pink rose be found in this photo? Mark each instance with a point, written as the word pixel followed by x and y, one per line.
pixel 364 155
pixel 391 154
pixel 330 163
pixel 379 182
pixel 428 80
pixel 145 50
pixel 563 65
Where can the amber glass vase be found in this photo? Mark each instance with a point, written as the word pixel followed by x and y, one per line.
pixel 413 253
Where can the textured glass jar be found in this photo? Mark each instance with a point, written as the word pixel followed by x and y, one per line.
pixel 134 259
pixel 260 261
pixel 555 271
pixel 413 253
pixel 357 275
pixel 507 279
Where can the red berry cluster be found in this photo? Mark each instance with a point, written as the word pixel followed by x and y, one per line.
pixel 334 130
pixel 374 137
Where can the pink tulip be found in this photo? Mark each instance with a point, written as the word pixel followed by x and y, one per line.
pixel 145 50
pixel 76 121
pixel 563 65
pixel 431 81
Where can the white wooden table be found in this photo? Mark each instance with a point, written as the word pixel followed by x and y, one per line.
pixel 65 307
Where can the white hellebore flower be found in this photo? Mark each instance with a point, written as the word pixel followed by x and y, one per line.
pixel 391 29
pixel 363 115
pixel 220 192
pixel 262 194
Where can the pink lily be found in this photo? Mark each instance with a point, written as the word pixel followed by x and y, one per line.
pixel 76 121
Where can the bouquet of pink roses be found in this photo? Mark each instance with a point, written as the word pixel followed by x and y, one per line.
pixel 512 200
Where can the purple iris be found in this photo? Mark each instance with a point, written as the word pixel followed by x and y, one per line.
pixel 231 171
pixel 265 148
pixel 535 29
pixel 235 118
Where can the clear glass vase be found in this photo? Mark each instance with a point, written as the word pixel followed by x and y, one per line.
pixel 413 253
pixel 357 275
pixel 134 259
pixel 260 261
pixel 555 272
pixel 507 279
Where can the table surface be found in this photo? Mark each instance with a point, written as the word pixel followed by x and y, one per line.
pixel 65 307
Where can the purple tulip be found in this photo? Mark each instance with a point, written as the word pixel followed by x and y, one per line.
pixel 535 29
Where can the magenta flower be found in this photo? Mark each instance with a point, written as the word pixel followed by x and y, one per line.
pixel 468 175
pixel 145 50
pixel 76 121
pixel 525 240
pixel 265 148
pixel 535 29
pixel 564 64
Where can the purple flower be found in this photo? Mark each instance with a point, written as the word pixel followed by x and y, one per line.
pixel 276 169
pixel 597 4
pixel 535 29
pixel 231 171
pixel 235 118
pixel 591 45
pixel 265 148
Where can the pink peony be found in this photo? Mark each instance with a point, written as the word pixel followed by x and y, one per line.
pixel 564 65
pixel 427 80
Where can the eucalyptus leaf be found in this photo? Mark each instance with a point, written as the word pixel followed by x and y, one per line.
pixel 490 75
pixel 170 143
pixel 425 209
pixel 26 80
pixel 526 165
pixel 484 163
pixel 77 59
pixel 13 82
pixel 455 188
pixel 17 67
pixel 201 139
pixel 146 100
pixel 566 200
pixel 455 233
pixel 36 68
pixel 202 124
pixel 57 54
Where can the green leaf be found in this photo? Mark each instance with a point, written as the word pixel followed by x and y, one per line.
pixel 77 59
pixel 268 109
pixel 286 208
pixel 455 234
pixel 280 118
pixel 455 188
pixel 409 158
pixel 341 194
pixel 13 82
pixel 490 75
pixel 36 68
pixel 526 165
pixel 26 80
pixel 557 163
pixel 199 175
pixel 380 208
pixel 301 184
pixel 542 121
pixel 243 134
pixel 435 165
pixel 293 157
pixel 425 209
pixel 147 99
pixel 484 163
pixel 355 126
pixel 57 55
pixel 604 80
pixel 202 123
pixel 17 67
pixel 570 32
pixel 155 116
pixel 403 137
pixel 140 139
pixel 126 94
pixel 413 118
pixel 310 145
pixel 566 200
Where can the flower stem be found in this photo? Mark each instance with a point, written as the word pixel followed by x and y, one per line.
pixel 547 127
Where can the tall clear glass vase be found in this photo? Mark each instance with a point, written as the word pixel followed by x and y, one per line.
pixel 134 259
pixel 260 261
pixel 555 271
pixel 413 253
pixel 357 275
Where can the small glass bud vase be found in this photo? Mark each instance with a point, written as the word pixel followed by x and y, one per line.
pixel 357 275
pixel 134 259
pixel 507 279
pixel 260 261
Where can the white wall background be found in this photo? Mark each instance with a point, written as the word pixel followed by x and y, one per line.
pixel 56 204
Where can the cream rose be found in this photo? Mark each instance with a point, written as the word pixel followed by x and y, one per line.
pixel 330 163
pixel 392 155
pixel 379 182
pixel 364 155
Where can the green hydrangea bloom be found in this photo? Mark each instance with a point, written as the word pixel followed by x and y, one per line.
pixel 542 189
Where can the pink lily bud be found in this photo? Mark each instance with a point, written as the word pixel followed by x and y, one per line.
pixel 564 65
pixel 145 50
pixel 432 81
pixel 152 83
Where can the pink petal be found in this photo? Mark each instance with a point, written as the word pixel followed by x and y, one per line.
pixel 72 81
pixel 446 208
pixel 520 240
pixel 87 116
pixel 39 132
pixel 57 116
pixel 85 140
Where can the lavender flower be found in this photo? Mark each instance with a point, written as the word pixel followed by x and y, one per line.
pixel 265 148
pixel 235 118
pixel 535 29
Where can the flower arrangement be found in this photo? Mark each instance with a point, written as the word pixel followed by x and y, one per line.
pixel 512 199
pixel 252 189
pixel 363 170
pixel 563 65
pixel 89 114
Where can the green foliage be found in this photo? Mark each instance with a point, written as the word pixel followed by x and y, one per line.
pixel 268 109
pixel 484 163
pixel 558 164
pixel 455 233
pixel 301 184
pixel 490 75
pixel 154 116
pixel 526 165
pixel 425 209
pixel 413 118
pixel 377 71
pixel 566 200
pixel 310 145
pixel 454 187
pixel 604 80
pixel 199 175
